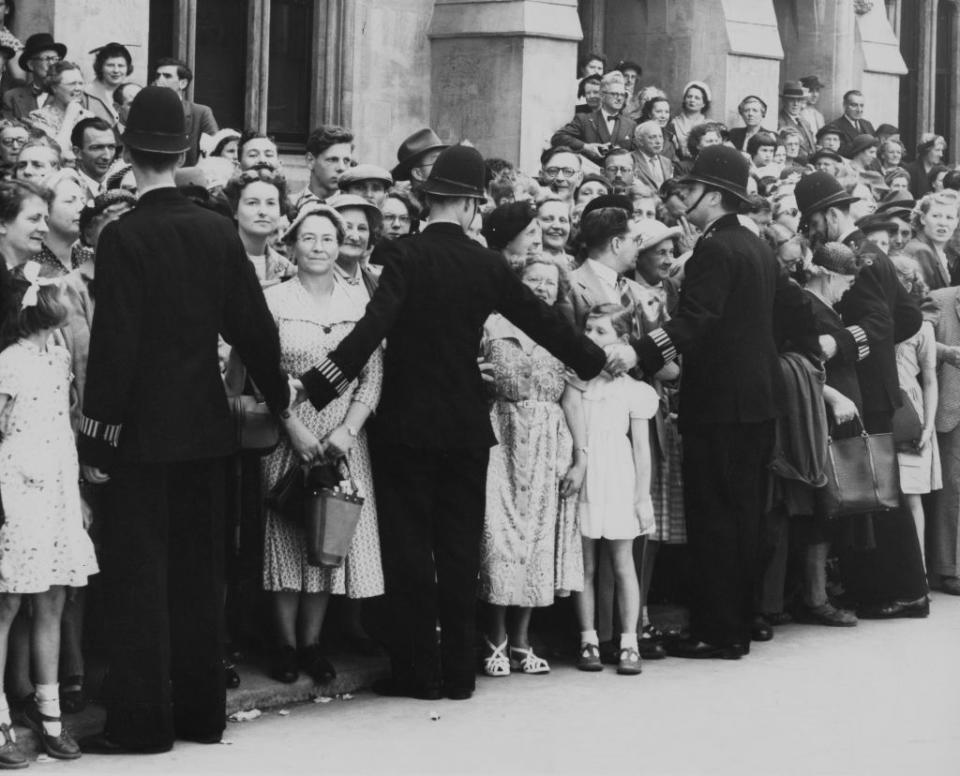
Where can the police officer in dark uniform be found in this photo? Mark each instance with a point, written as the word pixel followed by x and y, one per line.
pixel 888 581
pixel 733 306
pixel 433 431
pixel 171 277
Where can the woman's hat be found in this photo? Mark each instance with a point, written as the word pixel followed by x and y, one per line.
pixel 156 122
pixel 41 41
pixel 721 167
pixel 506 222
pixel 836 257
pixel 752 98
pixel 860 144
pixel 458 172
pixel 702 86
pixel 897 204
pixel 341 202
pixel 365 172
pixel 828 130
pixel 312 207
pixel 812 82
pixel 877 222
pixel 210 143
pixel 413 149
pixel 653 232
pixel 793 90
pixel 825 153
pixel 818 191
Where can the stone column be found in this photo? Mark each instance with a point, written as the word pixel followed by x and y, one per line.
pixel 927 72
pixel 503 73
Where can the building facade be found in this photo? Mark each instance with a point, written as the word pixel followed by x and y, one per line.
pixel 501 72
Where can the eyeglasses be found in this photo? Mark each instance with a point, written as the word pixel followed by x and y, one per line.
pixel 553 172
pixel 618 170
pixel 50 59
pixel 13 142
pixel 615 94
pixel 312 239
pixel 397 219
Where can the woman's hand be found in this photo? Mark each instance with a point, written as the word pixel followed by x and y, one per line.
pixel 305 444
pixel 338 443
pixel 573 480
pixel 925 437
pixel 486 370
pixel 844 410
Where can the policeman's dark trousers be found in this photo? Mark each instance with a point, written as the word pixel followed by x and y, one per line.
pixel 724 485
pixel 430 506
pixel 162 566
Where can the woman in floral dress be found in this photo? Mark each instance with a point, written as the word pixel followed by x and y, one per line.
pixel 314 313
pixel 531 547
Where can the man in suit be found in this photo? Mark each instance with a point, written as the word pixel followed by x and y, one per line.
pixel 889 581
pixel 171 278
pixel 40 53
pixel 649 163
pixel 851 122
pixel 593 134
pixel 433 429
pixel 794 99
pixel 724 328
pixel 174 74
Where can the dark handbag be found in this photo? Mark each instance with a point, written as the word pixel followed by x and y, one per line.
pixel 289 493
pixel 255 426
pixel 331 515
pixel 907 425
pixel 862 474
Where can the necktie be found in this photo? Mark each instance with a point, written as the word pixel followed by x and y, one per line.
pixel 627 300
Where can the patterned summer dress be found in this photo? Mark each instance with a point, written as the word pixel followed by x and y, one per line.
pixel 307 334
pixel 42 541
pixel 531 549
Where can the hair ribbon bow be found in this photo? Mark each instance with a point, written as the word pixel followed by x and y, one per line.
pixel 31 273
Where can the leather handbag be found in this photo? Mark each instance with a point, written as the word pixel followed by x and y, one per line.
pixel 907 425
pixel 255 426
pixel 331 515
pixel 289 494
pixel 862 474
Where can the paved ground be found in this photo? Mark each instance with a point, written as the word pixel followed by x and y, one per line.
pixel 881 698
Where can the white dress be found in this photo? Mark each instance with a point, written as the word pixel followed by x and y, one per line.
pixel 920 472
pixel 42 541
pixel 608 506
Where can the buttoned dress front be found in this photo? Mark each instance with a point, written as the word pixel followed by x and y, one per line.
pixel 308 332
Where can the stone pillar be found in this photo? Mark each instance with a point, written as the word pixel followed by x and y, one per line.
pixel 927 71
pixel 503 73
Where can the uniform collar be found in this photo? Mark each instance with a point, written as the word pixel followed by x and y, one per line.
pixel 723 222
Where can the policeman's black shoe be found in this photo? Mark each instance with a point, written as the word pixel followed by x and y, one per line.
pixel 284 667
pixel 701 650
pixel 895 609
pixel 455 693
pixel 100 743
pixel 760 629
pixel 230 675
pixel 392 689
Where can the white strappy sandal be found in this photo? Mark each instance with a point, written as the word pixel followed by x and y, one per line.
pixel 525 661
pixel 496 663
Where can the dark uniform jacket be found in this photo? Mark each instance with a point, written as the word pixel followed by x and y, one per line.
pixel 593 128
pixel 734 304
pixel 436 290
pixel 878 314
pixel 171 277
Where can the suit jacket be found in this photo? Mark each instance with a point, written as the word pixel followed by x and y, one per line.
pixel 724 327
pixel 848 132
pixel 435 293
pixel 643 169
pixel 19 102
pixel 738 136
pixel 942 309
pixel 587 291
pixel 171 277
pixel 592 128
pixel 199 118
pixel 877 313
pixel 808 140
pixel 935 275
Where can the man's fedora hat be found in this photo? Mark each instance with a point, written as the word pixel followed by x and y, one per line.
pixel 812 82
pixel 365 172
pixel 860 144
pixel 793 90
pixel 897 202
pixel 721 167
pixel 877 222
pixel 41 41
pixel 458 172
pixel 156 122
pixel 413 149
pixel 818 191
pixel 825 153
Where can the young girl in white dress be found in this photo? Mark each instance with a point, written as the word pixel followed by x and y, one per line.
pixel 614 502
pixel 43 545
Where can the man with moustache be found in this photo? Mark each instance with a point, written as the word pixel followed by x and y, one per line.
pixel 618 169
pixel 561 171
pixel 888 581
pixel 649 164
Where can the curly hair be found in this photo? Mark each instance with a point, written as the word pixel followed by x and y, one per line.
pixel 234 187
pixel 55 74
pixel 324 137
pixel 111 51
pixel 563 277
pixel 945 197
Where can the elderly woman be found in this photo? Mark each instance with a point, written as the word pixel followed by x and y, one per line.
pixel 694 107
pixel 65 104
pixel 752 110
pixel 57 254
pixel 256 198
pixel 656 107
pixel 930 151
pixel 362 221
pixel 890 155
pixel 112 65
pixel 399 215
pixel 514 231
pixel 792 142
pixel 553 213
pixel 934 221
pixel 314 312
pixel 531 544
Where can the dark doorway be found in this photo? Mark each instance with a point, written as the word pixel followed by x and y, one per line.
pixel 220 71
pixel 291 67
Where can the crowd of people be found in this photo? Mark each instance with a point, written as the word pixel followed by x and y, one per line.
pixel 751 295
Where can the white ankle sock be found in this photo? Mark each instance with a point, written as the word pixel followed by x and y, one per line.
pixel 48 701
pixel 589 637
pixel 628 640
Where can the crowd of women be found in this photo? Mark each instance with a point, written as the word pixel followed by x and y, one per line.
pixel 584 485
